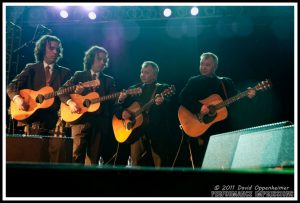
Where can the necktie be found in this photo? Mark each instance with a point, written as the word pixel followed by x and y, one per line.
pixel 48 76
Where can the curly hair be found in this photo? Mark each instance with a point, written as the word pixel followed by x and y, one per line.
pixel 89 56
pixel 40 47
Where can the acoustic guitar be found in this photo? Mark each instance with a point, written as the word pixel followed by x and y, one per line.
pixel 42 99
pixel 89 103
pixel 124 129
pixel 195 125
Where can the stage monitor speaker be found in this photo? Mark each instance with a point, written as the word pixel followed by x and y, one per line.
pixel 38 148
pixel 266 149
pixel 221 147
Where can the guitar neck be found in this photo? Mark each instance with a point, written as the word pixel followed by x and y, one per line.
pixel 149 103
pixel 109 97
pixel 105 98
pixel 66 90
pixel 232 99
pixel 144 108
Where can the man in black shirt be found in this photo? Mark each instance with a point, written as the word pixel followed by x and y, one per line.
pixel 200 88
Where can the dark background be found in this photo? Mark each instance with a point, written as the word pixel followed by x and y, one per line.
pixel 252 42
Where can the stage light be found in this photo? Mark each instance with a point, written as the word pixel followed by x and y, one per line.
pixel 89 8
pixel 64 13
pixel 167 12
pixel 194 11
pixel 92 15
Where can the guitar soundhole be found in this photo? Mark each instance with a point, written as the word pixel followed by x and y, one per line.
pixel 212 110
pixel 87 103
pixel 130 124
pixel 211 115
pixel 39 99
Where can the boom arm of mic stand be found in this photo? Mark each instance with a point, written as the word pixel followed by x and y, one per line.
pixel 26 44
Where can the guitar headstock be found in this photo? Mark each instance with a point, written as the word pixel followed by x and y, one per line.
pixel 92 83
pixel 169 91
pixel 134 91
pixel 263 85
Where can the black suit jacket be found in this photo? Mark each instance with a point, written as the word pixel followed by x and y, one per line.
pixel 33 77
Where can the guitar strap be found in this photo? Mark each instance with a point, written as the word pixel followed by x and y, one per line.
pixel 152 96
pixel 224 89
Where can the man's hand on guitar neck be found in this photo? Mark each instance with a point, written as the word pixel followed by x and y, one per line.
pixel 251 92
pixel 79 88
pixel 22 105
pixel 122 97
pixel 158 99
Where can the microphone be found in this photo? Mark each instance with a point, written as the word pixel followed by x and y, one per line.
pixel 45 28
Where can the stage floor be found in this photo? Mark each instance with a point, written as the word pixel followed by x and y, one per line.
pixel 73 180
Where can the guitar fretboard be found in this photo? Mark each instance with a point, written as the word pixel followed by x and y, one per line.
pixel 105 98
pixel 260 86
pixel 144 108
pixel 66 90
pixel 111 96
pixel 149 103
pixel 231 100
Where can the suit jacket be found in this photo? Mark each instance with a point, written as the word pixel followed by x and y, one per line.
pixel 33 77
pixel 107 86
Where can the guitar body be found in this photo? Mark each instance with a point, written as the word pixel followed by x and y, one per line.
pixel 195 125
pixel 121 128
pixel 192 126
pixel 70 117
pixel 30 97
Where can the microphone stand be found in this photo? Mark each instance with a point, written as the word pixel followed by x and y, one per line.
pixel 26 44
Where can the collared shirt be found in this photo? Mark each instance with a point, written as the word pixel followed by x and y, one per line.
pixel 51 67
pixel 92 73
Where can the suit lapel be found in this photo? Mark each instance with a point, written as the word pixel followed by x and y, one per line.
pixel 87 76
pixel 102 87
pixel 40 71
pixel 54 76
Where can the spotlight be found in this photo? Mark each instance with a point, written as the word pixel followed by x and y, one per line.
pixel 92 15
pixel 167 12
pixel 194 11
pixel 64 13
